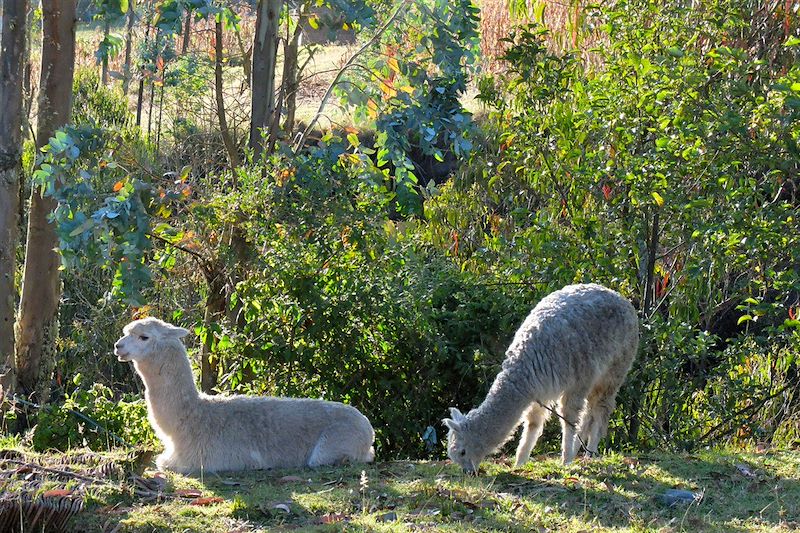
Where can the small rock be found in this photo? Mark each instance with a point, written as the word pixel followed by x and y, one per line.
pixel 388 517
pixel 672 497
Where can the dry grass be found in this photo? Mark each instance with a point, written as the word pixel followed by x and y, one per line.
pixel 565 20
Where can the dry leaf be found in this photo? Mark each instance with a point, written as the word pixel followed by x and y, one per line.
pixel 189 493
pixel 208 500
pixel 332 518
pixel 55 493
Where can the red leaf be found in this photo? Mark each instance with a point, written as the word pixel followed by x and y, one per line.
pixel 118 185
pixel 607 191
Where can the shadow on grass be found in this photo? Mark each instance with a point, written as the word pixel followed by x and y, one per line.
pixel 740 492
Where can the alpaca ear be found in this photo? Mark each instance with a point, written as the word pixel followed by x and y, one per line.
pixel 175 331
pixel 452 425
pixel 457 415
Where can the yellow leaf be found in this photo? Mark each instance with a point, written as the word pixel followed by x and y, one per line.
pixel 372 108
pixel 659 200
pixel 388 90
pixel 392 62
pixel 407 89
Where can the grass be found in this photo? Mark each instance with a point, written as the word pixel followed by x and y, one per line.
pixel 741 491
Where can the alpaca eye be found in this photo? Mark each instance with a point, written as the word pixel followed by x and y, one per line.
pixel 144 337
pixel 463 453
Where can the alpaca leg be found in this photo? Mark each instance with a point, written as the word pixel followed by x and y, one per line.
pixel 570 408
pixel 532 430
pixel 601 403
pixel 329 451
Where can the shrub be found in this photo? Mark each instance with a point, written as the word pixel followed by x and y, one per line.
pixel 62 426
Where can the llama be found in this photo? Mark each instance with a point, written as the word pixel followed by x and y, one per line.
pixel 573 352
pixel 204 433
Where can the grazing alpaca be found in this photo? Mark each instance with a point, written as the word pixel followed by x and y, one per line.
pixel 213 433
pixel 574 350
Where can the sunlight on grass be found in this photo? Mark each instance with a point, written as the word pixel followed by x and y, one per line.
pixel 736 491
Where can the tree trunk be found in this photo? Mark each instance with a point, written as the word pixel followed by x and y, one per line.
pixel 187 33
pixel 291 81
pixel 12 67
pixel 104 64
pixel 230 146
pixel 37 321
pixel 216 304
pixel 126 78
pixel 265 49
pixel 140 96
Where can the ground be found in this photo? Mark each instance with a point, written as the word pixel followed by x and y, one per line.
pixel 734 491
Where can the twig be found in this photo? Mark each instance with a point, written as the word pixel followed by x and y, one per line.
pixel 570 424
pixel 341 72
pixel 60 472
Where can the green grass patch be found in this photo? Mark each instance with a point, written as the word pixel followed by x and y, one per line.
pixel 737 491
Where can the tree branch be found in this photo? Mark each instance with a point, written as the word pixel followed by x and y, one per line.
pixel 302 138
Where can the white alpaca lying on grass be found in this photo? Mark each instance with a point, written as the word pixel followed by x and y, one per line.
pixel 213 433
pixel 573 350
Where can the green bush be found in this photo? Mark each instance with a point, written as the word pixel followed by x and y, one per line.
pixel 112 421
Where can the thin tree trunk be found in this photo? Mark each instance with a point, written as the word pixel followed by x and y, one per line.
pixel 12 67
pixel 104 67
pixel 140 96
pixel 649 288
pixel 291 81
pixel 126 77
pixel 150 109
pixel 265 49
pixel 160 115
pixel 230 146
pixel 187 33
pixel 246 58
pixel 214 312
pixel 37 320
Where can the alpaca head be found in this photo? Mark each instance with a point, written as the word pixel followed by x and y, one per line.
pixel 147 339
pixel 460 447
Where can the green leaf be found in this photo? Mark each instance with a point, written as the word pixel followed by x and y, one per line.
pixel 352 138
pixel 743 318
pixel 538 12
pixel 313 22
pixel 792 41
pixel 87 225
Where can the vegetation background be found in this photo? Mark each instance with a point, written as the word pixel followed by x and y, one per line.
pixel 366 204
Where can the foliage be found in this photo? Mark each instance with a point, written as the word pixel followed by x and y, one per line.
pixel 412 91
pixel 59 427
pixel 673 150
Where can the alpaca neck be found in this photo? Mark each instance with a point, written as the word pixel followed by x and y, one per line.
pixel 497 417
pixel 169 389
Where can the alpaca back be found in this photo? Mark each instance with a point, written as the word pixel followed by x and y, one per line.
pixel 576 334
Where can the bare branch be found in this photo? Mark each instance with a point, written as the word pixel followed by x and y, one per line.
pixel 302 138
